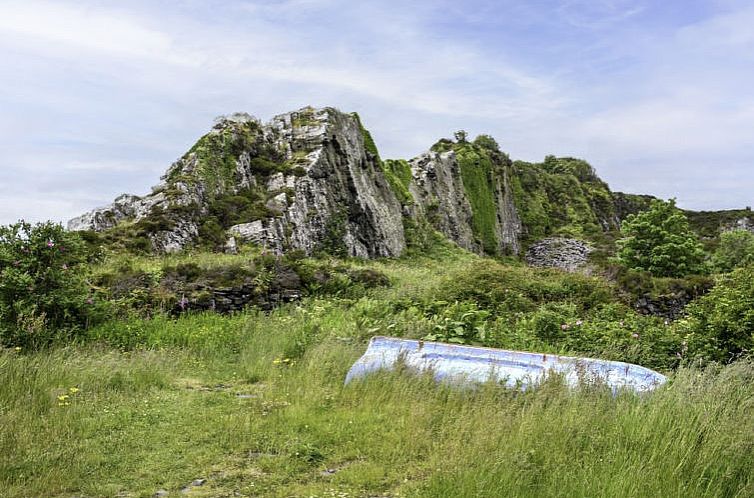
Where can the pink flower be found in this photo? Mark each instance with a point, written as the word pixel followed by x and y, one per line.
pixel 564 326
pixel 65 266
pixel 90 301
pixel 579 323
pixel 50 243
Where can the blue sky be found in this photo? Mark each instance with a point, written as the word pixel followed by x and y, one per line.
pixel 99 97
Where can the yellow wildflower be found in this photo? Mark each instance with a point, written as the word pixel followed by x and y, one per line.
pixel 73 390
pixel 62 397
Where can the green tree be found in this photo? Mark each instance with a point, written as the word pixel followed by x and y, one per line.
pixel 736 249
pixel 661 242
pixel 43 291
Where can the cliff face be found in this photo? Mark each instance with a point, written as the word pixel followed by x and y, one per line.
pixel 303 181
pixel 313 180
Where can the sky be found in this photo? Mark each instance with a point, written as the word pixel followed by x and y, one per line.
pixel 99 97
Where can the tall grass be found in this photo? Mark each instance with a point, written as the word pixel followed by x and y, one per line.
pixel 255 404
pixel 264 413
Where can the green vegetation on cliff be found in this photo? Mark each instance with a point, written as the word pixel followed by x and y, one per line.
pixel 562 196
pixel 479 174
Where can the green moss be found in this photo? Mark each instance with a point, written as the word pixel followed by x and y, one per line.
pixel 369 144
pixel 398 175
pixel 305 117
pixel 477 172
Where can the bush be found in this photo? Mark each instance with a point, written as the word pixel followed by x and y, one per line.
pixel 512 289
pixel 43 291
pixel 736 249
pixel 661 242
pixel 720 325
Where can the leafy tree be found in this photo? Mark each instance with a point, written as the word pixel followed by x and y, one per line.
pixel 661 242
pixel 487 142
pixel 43 291
pixel 736 249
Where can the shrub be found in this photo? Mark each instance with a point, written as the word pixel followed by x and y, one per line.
pixel 660 241
pixel 720 325
pixel 736 249
pixel 43 291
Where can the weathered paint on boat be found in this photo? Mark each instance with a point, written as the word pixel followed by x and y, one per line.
pixel 456 363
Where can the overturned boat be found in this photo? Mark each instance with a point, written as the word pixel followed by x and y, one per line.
pixel 516 369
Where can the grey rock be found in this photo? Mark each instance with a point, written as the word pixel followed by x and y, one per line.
pixel 438 192
pixel 160 493
pixel 279 203
pixel 440 197
pixel 231 247
pixel 557 252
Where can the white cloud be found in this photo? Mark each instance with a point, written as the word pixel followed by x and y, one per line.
pixel 102 93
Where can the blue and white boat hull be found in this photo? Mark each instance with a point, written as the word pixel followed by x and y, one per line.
pixel 517 369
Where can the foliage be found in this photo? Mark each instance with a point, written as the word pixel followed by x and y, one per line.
pixel 561 196
pixel 660 241
pixel 736 249
pixel 720 325
pixel 43 290
pixel 459 323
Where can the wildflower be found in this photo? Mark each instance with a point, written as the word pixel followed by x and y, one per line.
pixel 579 323
pixel 276 361
pixel 17 348
pixel 286 360
pixel 73 390
pixel 565 326
pixel 63 397
pixel 89 300
pixel 635 335
pixel 50 243
pixel 65 266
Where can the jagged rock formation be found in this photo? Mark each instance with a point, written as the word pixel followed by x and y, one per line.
pixel 304 181
pixel 313 180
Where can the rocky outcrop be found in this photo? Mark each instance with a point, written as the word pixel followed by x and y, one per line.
pixel 443 198
pixel 439 196
pixel 307 181
pixel 557 252
pixel 312 180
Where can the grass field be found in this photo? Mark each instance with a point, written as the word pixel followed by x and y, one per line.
pixel 255 405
